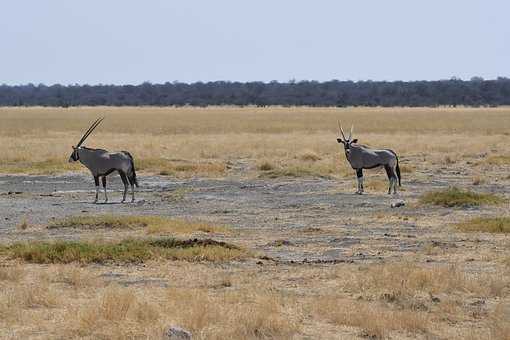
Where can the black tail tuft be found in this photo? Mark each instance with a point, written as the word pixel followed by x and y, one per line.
pixel 133 172
pixel 398 174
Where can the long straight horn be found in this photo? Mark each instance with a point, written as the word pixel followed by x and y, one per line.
pixel 89 131
pixel 350 133
pixel 341 130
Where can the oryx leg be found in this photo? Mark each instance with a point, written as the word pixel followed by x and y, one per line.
pixel 125 181
pixel 132 183
pixel 96 181
pixel 359 176
pixel 392 177
pixel 104 186
pixel 395 180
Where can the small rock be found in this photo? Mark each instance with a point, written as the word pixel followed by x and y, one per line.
pixel 399 203
pixel 177 333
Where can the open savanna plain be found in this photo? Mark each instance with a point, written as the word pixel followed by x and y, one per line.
pixel 246 225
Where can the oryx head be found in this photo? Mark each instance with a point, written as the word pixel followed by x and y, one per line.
pixel 346 141
pixel 75 155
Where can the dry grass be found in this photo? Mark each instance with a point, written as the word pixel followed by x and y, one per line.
pixel 255 302
pixel 486 225
pixel 456 197
pixel 373 320
pixel 500 322
pixel 400 282
pixel 11 273
pixel 375 184
pixel 23 224
pixel 199 141
pixel 182 169
pixel 498 160
pixel 405 297
pixel 127 251
pixel 242 314
pixel 151 224
pixel 265 166
pixel 309 156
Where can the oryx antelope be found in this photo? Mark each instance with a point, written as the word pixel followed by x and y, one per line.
pixel 101 163
pixel 362 157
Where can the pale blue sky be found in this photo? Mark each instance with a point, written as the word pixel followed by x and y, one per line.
pixel 128 41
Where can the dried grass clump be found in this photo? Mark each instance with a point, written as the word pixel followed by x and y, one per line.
pixel 75 277
pixel 12 273
pixel 498 160
pixel 166 167
pixel 309 156
pixel 265 166
pixel 486 225
pixel 23 225
pixel 126 251
pixel 499 322
pixel 152 224
pixel 232 315
pixel 374 320
pixel 478 180
pixel 118 313
pixel 456 197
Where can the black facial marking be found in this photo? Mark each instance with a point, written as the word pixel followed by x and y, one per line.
pixel 75 156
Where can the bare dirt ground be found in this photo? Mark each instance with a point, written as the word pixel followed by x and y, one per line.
pixel 300 220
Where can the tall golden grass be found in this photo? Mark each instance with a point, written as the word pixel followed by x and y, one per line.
pixel 345 301
pixel 200 141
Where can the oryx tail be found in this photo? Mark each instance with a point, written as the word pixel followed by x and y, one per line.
pixel 132 172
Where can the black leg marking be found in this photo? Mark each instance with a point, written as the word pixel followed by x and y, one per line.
pixel 388 171
pixel 125 181
pixel 96 181
pixel 359 173
pixel 123 177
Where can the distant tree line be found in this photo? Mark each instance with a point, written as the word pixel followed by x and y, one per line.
pixel 452 92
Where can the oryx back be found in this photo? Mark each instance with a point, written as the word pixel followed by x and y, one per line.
pixel 101 162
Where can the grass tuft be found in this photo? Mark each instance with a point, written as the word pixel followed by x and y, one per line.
pixel 455 197
pixel 299 170
pixel 23 225
pixel 182 169
pixel 498 160
pixel 265 166
pixel 126 251
pixel 486 224
pixel 309 156
pixel 47 167
pixel 152 224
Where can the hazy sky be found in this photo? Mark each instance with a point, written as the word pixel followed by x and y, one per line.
pixel 131 41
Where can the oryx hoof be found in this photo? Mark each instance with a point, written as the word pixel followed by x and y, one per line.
pixel 359 193
pixel 133 200
pixel 123 201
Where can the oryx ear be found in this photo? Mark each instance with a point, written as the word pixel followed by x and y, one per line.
pixel 355 140
pixel 339 140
